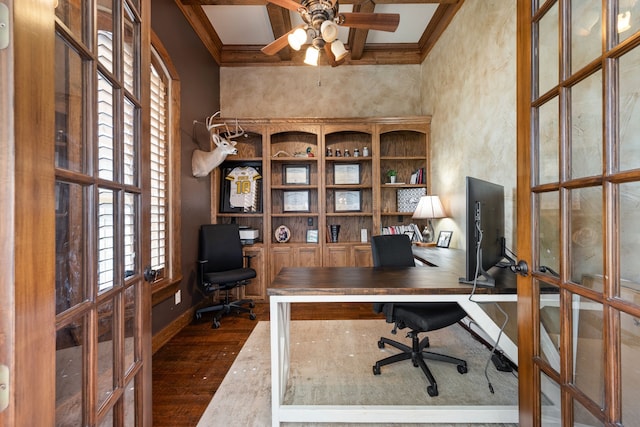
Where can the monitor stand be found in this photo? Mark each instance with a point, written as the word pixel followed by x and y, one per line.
pixel 483 278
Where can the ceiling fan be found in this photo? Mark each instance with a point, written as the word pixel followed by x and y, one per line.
pixel 321 19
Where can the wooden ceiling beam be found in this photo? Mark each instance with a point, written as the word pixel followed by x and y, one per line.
pixel 439 22
pixel 388 54
pixel 203 28
pixel 358 36
pixel 280 25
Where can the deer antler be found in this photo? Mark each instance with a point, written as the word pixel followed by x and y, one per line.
pixel 228 134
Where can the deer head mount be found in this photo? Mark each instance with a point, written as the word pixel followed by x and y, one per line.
pixel 203 162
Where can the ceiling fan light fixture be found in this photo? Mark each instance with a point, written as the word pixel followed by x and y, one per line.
pixel 329 31
pixel 311 57
pixel 297 38
pixel 338 50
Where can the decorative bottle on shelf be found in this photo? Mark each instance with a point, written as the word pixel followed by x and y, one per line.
pixel 365 151
pixel 356 153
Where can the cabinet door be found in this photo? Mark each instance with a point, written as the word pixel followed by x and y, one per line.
pixel 362 256
pixel 337 256
pixel 256 289
pixel 280 257
pixel 308 256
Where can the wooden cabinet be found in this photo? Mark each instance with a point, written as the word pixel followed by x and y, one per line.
pixel 314 174
pixel 292 256
pixel 257 288
pixel 347 255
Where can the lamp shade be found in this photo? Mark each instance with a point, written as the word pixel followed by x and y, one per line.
pixel 297 38
pixel 338 50
pixel 329 31
pixel 311 57
pixel 429 207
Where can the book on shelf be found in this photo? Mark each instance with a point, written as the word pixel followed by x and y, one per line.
pixel 411 230
pixel 417 177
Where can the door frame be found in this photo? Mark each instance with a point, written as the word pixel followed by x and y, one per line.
pixel 7 219
pixel 526 336
pixel 33 376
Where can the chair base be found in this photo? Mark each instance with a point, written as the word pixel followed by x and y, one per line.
pixel 226 307
pixel 417 354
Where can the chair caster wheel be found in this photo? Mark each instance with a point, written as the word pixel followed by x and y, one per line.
pixel 252 316
pixel 198 316
pixel 376 370
pixel 215 324
pixel 462 369
pixel 380 344
pixel 432 390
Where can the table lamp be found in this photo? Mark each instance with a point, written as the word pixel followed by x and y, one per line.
pixel 429 207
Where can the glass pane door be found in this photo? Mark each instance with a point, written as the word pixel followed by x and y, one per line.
pixel 584 127
pixel 100 294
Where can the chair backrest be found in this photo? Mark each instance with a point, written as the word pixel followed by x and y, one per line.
pixel 220 246
pixel 392 250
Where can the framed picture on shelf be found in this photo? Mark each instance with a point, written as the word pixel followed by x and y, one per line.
pixel 241 187
pixel 312 236
pixel 444 239
pixel 295 175
pixel 295 201
pixel 346 173
pixel 348 201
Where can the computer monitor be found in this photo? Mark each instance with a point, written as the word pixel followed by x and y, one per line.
pixel 485 230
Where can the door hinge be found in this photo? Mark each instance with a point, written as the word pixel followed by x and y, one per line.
pixel 4 26
pixel 4 387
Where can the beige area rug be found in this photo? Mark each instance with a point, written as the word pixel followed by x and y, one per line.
pixel 331 362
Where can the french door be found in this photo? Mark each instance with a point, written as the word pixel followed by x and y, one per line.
pixel 82 353
pixel 102 301
pixel 578 198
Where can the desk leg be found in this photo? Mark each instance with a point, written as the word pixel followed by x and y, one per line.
pixel 487 324
pixel 280 316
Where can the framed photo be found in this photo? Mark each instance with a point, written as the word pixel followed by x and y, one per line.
pixel 295 201
pixel 312 236
pixel 282 234
pixel 444 238
pixel 346 173
pixel 295 174
pixel 348 201
pixel 241 187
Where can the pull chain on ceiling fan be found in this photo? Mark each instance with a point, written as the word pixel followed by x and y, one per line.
pixel 322 19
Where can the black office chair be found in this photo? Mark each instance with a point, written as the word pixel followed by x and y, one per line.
pixel 395 251
pixel 221 267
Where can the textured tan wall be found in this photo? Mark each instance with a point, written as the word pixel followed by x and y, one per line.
pixel 468 84
pixel 305 91
pixel 469 87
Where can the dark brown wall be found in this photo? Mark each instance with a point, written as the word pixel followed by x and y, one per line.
pixel 200 87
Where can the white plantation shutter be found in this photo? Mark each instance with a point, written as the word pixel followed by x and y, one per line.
pixel 159 167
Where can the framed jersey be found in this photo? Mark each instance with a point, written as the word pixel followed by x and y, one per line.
pixel 241 187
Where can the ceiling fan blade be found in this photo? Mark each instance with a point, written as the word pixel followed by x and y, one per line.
pixel 280 43
pixel 370 21
pixel 287 4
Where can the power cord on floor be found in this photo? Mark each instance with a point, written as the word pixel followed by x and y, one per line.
pixel 506 315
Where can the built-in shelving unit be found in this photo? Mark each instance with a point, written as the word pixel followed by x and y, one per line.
pixel 314 174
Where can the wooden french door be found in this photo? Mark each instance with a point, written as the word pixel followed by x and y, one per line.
pixel 578 198
pixel 82 353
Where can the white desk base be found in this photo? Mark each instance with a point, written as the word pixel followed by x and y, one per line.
pixel 280 341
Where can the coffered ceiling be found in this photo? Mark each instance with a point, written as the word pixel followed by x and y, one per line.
pixel 234 31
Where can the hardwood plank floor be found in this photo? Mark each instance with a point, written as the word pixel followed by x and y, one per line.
pixel 188 370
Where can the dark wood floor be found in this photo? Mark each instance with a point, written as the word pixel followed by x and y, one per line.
pixel 188 370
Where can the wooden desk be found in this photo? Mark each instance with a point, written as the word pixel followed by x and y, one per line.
pixel 364 284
